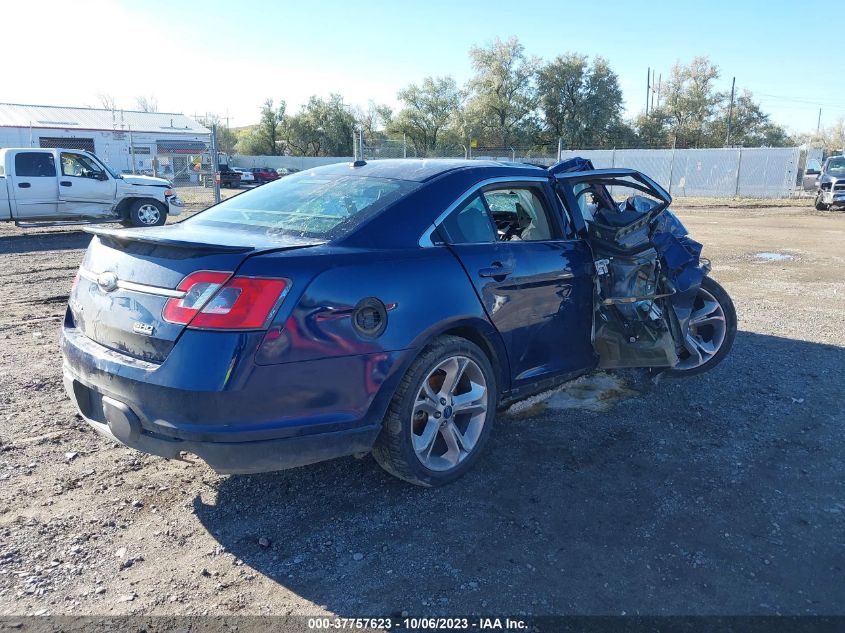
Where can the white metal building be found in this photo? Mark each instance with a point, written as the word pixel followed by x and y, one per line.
pixel 113 135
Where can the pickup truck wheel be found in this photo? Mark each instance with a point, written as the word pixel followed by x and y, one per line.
pixel 147 213
pixel 441 415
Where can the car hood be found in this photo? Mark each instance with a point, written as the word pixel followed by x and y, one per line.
pixel 135 179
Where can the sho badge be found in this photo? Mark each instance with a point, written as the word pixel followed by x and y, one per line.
pixel 142 328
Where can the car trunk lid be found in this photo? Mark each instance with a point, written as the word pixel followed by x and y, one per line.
pixel 127 277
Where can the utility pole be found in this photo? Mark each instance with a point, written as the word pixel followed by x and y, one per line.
pixel 647 89
pixel 659 85
pixel 653 72
pixel 730 113
pixel 819 123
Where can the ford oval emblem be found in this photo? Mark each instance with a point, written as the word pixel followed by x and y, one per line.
pixel 107 281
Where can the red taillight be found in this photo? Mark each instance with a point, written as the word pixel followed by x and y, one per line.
pixel 244 303
pixel 199 287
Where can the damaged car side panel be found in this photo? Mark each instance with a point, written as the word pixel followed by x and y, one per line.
pixel 648 271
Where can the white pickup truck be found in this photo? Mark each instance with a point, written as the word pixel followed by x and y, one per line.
pixel 63 186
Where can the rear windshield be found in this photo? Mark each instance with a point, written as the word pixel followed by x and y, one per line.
pixel 306 205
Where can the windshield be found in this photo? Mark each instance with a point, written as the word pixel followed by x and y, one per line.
pixel 306 205
pixel 836 166
pixel 113 173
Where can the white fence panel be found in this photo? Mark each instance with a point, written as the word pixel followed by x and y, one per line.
pixel 656 163
pixel 601 158
pixel 704 173
pixel 760 172
pixel 768 172
pixel 764 172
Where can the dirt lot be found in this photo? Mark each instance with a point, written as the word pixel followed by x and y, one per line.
pixel 722 494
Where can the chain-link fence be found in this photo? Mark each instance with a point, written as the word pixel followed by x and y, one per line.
pixel 764 172
pixel 391 148
pixel 760 172
pixel 191 165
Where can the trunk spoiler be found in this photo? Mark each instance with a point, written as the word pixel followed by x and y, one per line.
pixel 123 236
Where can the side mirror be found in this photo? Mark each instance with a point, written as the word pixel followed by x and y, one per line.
pixel 101 175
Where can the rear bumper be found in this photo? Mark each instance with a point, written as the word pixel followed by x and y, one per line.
pixel 326 408
pixel 116 421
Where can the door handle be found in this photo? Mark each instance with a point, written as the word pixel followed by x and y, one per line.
pixel 66 183
pixel 496 271
pixel 24 185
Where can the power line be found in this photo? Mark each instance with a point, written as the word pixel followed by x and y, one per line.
pixel 813 102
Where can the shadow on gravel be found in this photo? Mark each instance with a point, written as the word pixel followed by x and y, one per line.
pixel 719 494
pixel 34 242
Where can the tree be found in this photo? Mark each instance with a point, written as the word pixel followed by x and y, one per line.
pixel 502 94
pixel 323 127
pixel 147 104
pixel 374 121
pixel 265 139
pixel 830 138
pixel 107 101
pixel 581 104
pixel 695 114
pixel 691 100
pixel 429 108
pixel 654 129
pixel 750 126
pixel 227 139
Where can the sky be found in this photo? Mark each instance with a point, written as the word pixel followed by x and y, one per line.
pixel 227 57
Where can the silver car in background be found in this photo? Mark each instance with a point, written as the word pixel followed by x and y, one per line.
pixel 831 184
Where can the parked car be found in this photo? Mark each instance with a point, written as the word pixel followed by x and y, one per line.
pixel 812 171
pixel 226 176
pixel 831 184
pixel 390 306
pixel 286 171
pixel 264 174
pixel 247 177
pixel 49 186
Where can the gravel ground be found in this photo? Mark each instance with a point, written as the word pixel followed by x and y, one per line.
pixel 721 494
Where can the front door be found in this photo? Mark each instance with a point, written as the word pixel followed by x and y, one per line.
pixel 535 283
pixel 85 188
pixel 34 185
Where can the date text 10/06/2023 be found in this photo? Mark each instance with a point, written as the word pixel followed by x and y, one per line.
pixel 419 623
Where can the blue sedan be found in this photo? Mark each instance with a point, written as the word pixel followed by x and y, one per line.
pixel 389 306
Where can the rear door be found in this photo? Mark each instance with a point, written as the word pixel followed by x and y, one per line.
pixel 534 279
pixel 85 188
pixel 34 185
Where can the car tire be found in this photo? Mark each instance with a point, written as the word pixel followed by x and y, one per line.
pixel 146 213
pixel 711 291
pixel 461 430
pixel 821 206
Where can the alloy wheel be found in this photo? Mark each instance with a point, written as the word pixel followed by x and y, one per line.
pixel 449 413
pixel 706 334
pixel 149 214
